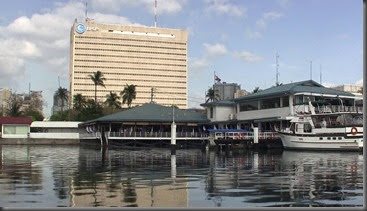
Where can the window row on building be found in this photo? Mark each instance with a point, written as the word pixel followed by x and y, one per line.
pixel 269 103
pixel 125 39
pixel 130 57
pixel 119 85
pixel 129 51
pixel 127 45
pixel 140 80
pixel 124 62
pixel 148 92
pixel 132 74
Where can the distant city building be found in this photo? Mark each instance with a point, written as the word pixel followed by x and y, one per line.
pixel 4 100
pixel 147 57
pixel 226 91
pixel 355 89
pixel 240 93
pixel 33 99
pixel 57 104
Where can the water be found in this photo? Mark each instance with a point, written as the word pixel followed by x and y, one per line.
pixel 80 176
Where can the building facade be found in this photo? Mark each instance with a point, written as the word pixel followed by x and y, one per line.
pixel 226 91
pixel 153 59
pixel 4 100
pixel 276 106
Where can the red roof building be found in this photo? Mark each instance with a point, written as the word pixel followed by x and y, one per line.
pixel 15 120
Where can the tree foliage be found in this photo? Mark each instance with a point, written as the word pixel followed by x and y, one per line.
pixel 97 79
pixel 128 94
pixel 212 95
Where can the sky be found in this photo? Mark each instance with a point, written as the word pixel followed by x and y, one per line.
pixel 236 39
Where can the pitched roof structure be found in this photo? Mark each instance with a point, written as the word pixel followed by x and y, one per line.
pixel 219 103
pixel 292 88
pixel 15 120
pixel 151 112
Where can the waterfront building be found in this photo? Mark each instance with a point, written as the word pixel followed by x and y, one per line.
pixel 273 107
pixel 149 121
pixel 57 104
pixel 66 132
pixel 14 127
pixel 4 100
pixel 226 91
pixel 154 59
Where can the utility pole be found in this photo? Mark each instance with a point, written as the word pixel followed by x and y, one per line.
pixel 277 69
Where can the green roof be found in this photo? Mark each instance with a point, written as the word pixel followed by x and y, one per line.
pixel 218 103
pixel 293 88
pixel 152 112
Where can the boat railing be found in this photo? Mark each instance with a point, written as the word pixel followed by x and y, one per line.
pixel 157 134
pixel 338 108
pixel 90 135
pixel 247 135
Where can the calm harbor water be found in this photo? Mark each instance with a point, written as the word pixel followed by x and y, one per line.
pixel 81 176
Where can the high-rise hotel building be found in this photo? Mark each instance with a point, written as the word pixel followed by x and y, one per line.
pixel 153 59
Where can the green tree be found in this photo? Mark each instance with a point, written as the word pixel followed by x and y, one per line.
pixel 79 102
pixel 34 114
pixel 113 100
pixel 212 95
pixel 97 79
pixel 14 107
pixel 91 111
pixel 128 94
pixel 62 94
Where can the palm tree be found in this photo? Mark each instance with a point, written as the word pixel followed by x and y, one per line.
pixel 212 95
pixel 257 89
pixel 128 94
pixel 79 102
pixel 62 94
pixel 97 79
pixel 113 100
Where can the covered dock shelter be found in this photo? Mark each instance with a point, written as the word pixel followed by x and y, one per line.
pixel 148 122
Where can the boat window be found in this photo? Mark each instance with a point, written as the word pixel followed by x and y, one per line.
pixel 292 127
pixel 307 128
pixel 340 138
pixel 321 138
pixel 328 138
pixel 334 138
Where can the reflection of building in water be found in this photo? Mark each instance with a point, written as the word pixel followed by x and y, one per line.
pixel 16 170
pixel 319 174
pixel 137 179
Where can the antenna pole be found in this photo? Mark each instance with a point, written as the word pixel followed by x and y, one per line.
pixel 155 13
pixel 86 11
pixel 311 70
pixel 277 70
pixel 320 75
pixel 58 78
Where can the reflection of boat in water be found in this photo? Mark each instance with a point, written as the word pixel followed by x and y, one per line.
pixel 324 131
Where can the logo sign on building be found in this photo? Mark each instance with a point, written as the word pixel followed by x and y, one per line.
pixel 80 28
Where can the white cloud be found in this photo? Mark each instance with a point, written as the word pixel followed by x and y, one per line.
pixel 329 84
pixel 215 50
pixel 196 63
pixel 248 57
pixel 359 82
pixel 266 17
pixel 163 6
pixel 225 7
pixel 251 34
pixel 10 67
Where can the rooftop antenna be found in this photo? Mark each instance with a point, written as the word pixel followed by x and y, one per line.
pixel 86 11
pixel 155 13
pixel 277 68
pixel 58 78
pixel 311 70
pixel 320 75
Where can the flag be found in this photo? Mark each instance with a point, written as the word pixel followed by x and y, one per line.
pixel 217 79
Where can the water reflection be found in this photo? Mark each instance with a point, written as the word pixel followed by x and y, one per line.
pixel 52 176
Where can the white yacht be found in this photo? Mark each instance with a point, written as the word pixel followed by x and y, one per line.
pixel 324 131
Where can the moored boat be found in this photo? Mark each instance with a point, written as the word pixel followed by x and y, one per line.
pixel 324 131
